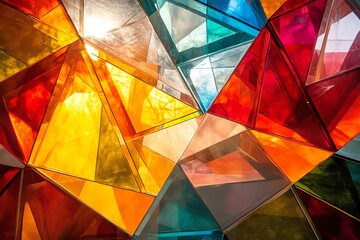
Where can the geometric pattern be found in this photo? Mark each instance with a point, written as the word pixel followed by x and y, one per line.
pixel 168 119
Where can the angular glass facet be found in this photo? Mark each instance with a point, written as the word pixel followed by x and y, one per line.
pixel 335 181
pixel 177 212
pixel 329 221
pixel 281 218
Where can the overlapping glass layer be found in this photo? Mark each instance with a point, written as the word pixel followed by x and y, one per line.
pixel 170 119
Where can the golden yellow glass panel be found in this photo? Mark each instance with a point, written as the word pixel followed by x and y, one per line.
pixel 71 141
pixel 293 158
pixel 9 65
pixel 122 207
pixel 146 106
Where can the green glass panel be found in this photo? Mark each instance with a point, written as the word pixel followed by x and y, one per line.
pixel 112 167
pixel 279 219
pixel 335 181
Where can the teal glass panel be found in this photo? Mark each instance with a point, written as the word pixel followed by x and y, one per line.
pixel 250 12
pixel 178 213
pixel 351 149
pixel 193 32
pixel 335 181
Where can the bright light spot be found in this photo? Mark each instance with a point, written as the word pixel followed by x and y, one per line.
pixel 97 27
pixel 93 53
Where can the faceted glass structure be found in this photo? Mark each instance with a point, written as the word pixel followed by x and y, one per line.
pixel 179 119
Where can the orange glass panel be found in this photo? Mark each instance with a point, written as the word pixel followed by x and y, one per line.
pixel 152 167
pixel 57 18
pixel 29 229
pixel 270 6
pixel 293 158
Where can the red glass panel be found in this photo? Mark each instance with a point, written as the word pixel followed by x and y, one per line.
pixel 330 222
pixel 59 215
pixel 238 99
pixel 297 31
pixel 283 108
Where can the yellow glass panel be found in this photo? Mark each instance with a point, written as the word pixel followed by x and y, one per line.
pixel 271 6
pixel 146 106
pixel 147 179
pixel 124 208
pixel 29 228
pixel 71 141
pixel 9 65
pixel 41 39
pixel 293 158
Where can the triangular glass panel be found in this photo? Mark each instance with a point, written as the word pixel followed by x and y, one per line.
pixel 7 159
pixel 246 11
pixel 271 6
pixel 332 181
pixel 173 139
pixel 71 219
pixel 7 174
pixel 207 76
pixel 293 158
pixel 281 218
pixel 211 131
pixel 338 44
pixel 139 106
pixel 41 39
pixel 178 212
pixel 297 31
pixel 9 198
pixel 238 99
pixel 79 116
pixel 342 93
pixel 284 109
pixel 329 221
pixel 288 6
pixel 351 149
pixel 26 96
pixel 27 104
pixel 122 207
